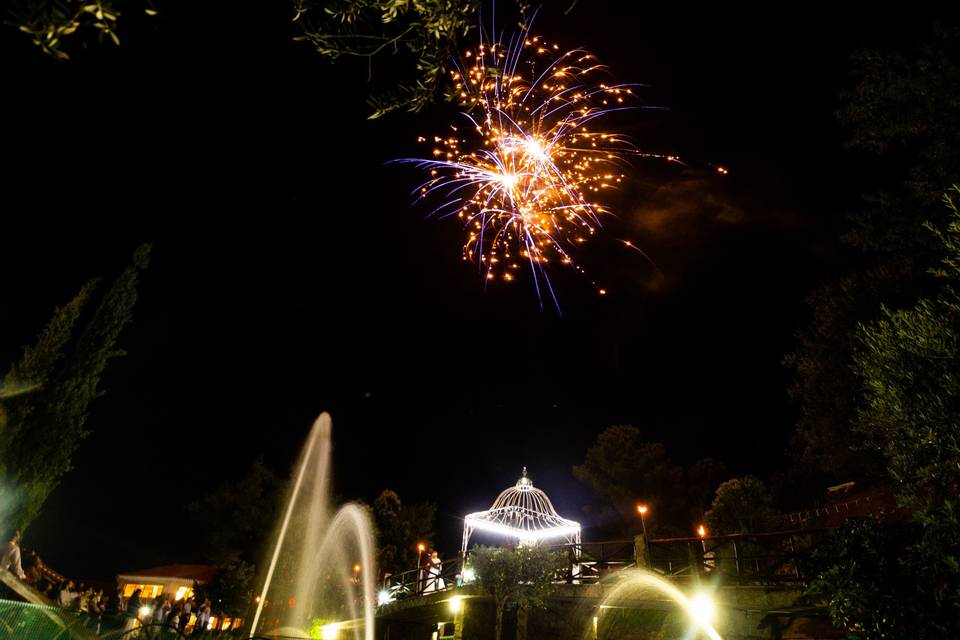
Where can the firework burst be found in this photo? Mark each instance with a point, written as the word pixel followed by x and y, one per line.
pixel 526 171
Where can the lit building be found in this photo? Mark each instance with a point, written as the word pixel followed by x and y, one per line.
pixel 175 580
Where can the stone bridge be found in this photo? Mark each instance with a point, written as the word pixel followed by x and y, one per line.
pixel 755 581
pixel 577 612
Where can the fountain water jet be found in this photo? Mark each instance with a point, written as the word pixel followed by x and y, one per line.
pixel 629 581
pixel 312 543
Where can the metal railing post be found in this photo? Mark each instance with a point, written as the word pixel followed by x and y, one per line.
pixel 736 558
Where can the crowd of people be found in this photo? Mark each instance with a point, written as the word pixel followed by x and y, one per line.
pixel 186 616
pixel 34 573
pixel 31 570
pixel 81 597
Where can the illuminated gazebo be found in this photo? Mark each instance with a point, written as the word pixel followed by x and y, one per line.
pixel 525 514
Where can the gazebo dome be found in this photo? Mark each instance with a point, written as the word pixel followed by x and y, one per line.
pixel 522 512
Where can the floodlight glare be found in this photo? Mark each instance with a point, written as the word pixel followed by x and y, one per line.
pixel 702 608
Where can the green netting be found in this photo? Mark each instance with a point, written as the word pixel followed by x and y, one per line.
pixel 24 621
pixel 19 620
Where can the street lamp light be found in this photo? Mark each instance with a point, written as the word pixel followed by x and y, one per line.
pixel 642 509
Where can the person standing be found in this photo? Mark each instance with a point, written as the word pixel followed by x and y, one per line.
pixel 173 619
pixel 67 595
pixel 11 557
pixel 434 581
pixel 30 566
pixel 203 618
pixel 161 612
pixel 133 610
pixel 96 609
pixel 83 601
pixel 437 565
pixel 185 616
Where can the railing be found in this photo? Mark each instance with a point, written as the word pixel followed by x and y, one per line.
pixel 758 558
pixel 765 558
pixel 588 562
pixel 877 503
pixel 421 581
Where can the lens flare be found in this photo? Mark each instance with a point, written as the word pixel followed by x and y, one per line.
pixel 628 584
pixel 526 175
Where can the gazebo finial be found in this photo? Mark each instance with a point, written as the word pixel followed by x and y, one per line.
pixel 524 482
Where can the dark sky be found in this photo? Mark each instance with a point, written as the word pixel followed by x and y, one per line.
pixel 290 274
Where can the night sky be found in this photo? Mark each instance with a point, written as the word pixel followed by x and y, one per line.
pixel 291 275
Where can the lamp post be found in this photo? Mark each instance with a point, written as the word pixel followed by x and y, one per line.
pixel 707 557
pixel 420 549
pixel 642 510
